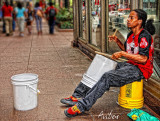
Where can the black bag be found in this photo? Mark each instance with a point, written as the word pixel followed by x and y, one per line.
pixel 52 13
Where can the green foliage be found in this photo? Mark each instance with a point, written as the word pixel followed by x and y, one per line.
pixel 66 25
pixel 65 18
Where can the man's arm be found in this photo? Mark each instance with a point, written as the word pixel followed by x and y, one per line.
pixel 119 43
pixel 134 57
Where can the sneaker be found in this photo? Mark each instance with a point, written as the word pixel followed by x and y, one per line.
pixel 72 111
pixel 69 101
pixel 7 34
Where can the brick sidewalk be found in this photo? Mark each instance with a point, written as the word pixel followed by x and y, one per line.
pixel 60 68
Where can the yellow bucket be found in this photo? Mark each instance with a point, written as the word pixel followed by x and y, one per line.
pixel 131 95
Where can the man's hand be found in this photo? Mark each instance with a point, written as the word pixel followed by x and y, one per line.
pixel 113 38
pixel 117 55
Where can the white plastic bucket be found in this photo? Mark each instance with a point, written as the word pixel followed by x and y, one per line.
pixel 25 91
pixel 98 67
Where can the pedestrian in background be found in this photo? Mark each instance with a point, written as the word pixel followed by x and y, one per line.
pixel 0 13
pixel 1 17
pixel 14 19
pixel 30 18
pixel 7 15
pixel 20 15
pixel 51 13
pixel 38 13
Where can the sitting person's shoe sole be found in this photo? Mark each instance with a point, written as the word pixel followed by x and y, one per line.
pixel 72 111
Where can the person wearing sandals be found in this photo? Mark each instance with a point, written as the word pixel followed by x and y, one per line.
pixel 38 13
pixel 30 18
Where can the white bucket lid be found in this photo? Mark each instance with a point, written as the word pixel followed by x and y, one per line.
pixel 24 77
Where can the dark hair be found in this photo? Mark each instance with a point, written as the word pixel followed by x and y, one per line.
pixel 142 15
pixel 36 5
pixel 6 3
pixel 19 5
pixel 50 3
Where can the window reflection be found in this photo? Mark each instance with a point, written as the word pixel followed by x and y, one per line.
pixel 95 22
pixel 118 14
pixel 150 6
pixel 84 19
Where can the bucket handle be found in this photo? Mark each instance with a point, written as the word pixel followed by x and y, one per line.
pixel 35 90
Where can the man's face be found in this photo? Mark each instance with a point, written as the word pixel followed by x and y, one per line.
pixel 132 20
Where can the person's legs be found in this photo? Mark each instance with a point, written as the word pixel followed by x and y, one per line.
pixel 53 23
pixel 10 26
pixel 4 29
pixel 29 29
pixel 37 24
pixel 51 26
pixel 18 20
pixel 40 25
pixel 6 20
pixel 78 93
pixel 21 26
pixel 13 25
pixel 81 90
pixel 124 73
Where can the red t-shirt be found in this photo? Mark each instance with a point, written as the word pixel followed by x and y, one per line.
pixel 7 11
pixel 141 44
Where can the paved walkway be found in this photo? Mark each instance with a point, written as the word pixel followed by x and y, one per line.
pixel 60 68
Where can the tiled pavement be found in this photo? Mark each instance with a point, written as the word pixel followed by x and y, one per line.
pixel 60 68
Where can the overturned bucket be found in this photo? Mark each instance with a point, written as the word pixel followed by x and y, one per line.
pixel 25 91
pixel 98 67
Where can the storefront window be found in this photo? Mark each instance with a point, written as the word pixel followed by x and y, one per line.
pixel 82 18
pixel 95 21
pixel 150 6
pixel 118 14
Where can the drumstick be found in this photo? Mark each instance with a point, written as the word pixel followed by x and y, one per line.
pixel 104 54
pixel 115 32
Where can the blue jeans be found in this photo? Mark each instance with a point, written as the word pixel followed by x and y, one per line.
pixel 13 25
pixel 38 23
pixel 4 29
pixel 123 74
pixel 51 23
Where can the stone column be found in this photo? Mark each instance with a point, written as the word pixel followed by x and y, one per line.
pixel 140 4
pixel 104 18
pixel 134 4
pixel 87 20
pixel 158 11
pixel 75 23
